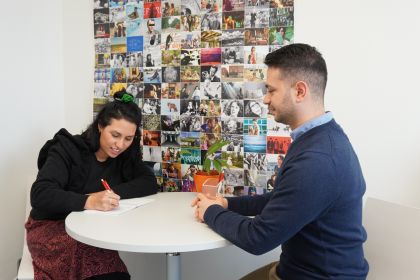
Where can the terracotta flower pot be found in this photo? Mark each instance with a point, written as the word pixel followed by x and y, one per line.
pixel 200 177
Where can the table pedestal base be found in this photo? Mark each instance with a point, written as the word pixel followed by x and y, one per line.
pixel 173 266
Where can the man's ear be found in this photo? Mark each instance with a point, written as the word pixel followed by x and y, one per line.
pixel 301 91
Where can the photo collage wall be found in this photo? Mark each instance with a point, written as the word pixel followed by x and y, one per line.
pixel 196 69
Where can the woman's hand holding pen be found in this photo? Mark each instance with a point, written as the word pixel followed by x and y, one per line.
pixel 104 201
pixel 202 202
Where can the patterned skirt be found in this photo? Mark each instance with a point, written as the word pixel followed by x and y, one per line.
pixel 57 256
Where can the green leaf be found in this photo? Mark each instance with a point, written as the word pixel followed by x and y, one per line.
pixel 217 165
pixel 206 165
pixel 216 146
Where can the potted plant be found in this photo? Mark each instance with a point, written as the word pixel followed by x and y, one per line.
pixel 212 166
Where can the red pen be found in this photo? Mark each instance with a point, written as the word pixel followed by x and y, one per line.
pixel 106 186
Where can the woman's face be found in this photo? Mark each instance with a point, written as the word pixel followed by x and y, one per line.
pixel 115 138
pixel 256 108
pixel 231 125
pixel 234 109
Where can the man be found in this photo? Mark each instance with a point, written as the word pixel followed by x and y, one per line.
pixel 315 208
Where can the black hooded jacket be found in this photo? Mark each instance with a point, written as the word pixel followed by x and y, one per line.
pixel 68 170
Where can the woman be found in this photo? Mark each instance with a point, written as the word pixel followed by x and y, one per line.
pixel 233 109
pixel 252 57
pixel 69 179
pixel 253 109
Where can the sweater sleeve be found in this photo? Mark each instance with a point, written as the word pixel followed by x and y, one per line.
pixel 248 205
pixel 50 191
pixel 304 191
pixel 142 184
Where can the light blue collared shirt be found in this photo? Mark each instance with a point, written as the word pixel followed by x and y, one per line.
pixel 323 119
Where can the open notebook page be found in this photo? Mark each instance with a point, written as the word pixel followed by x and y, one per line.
pixel 125 205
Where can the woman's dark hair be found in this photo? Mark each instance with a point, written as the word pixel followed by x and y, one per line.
pixel 120 108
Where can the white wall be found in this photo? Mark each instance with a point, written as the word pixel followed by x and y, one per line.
pixel 371 52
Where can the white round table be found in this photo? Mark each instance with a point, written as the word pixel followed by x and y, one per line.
pixel 166 225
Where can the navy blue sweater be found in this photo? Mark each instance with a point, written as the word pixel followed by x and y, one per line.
pixel 314 211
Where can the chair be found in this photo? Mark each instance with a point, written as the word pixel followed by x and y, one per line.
pixel 392 248
pixel 25 268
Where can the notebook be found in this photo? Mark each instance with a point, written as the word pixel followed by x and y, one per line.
pixel 125 205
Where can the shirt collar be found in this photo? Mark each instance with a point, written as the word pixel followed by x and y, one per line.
pixel 323 119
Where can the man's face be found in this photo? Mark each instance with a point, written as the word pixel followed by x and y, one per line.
pixel 279 96
pixel 150 26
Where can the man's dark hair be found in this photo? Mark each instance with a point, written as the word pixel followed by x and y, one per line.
pixel 301 62
pixel 118 110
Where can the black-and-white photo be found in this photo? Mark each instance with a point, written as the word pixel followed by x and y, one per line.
pixel 101 15
pixel 254 90
pixel 151 106
pixel 119 60
pixel 151 122
pixel 210 90
pixel 135 59
pixel 170 74
pixel 190 107
pixel 255 161
pixel 190 57
pixel 277 129
pixel 231 38
pixel 255 179
pixel 102 45
pixel 212 21
pixel 210 73
pixel 101 90
pixel 232 125
pixel 170 123
pixel 190 7
pixel 236 143
pixel 232 90
pixel 256 18
pixel 152 75
pixel 97 4
pixel 136 89
pixel 152 57
pixel 117 14
pixel 151 153
pixel 282 16
pixel 190 123
pixel 255 109
pixel 232 108
pixel 234 176
pixel 233 55
pixel 170 138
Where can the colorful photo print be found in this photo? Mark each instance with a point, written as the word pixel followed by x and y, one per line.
pixel 190 139
pixel 211 56
pixel 119 45
pixel 101 15
pixel 258 3
pixel 118 29
pixel 233 55
pixel 151 138
pixel 256 36
pixel 255 144
pixel 274 162
pixel 151 153
pixel 134 28
pixel 255 109
pixel 208 139
pixel 171 185
pixel 190 40
pixel 191 156
pixel 171 90
pixel 171 170
pixel 271 179
pixel 151 122
pixel 102 45
pixel 256 17
pixel 190 74
pixel 282 16
pixel 212 21
pixel 278 144
pixel 281 35
pixel 115 87
pixel 190 107
pixel 102 60
pixel 190 91
pixel 119 75
pixel 254 90
pixel 255 73
pixel 134 11
pixel 171 154
pixel 277 129
pixel 171 24
pixel 231 38
pixel 156 167
pixel 190 57
pixel 152 74
pixel 170 74
pixel 233 159
pixel 152 26
pixel 152 10
pixel 255 54
pixel 255 161
pixel 234 176
pixel 151 106
pixel 171 8
pixel 233 5
pixel 117 3
pixel 211 39
pixel 210 108
pixel 211 6
pixel 232 73
pixel 255 126
pixel 171 57
pixel 210 90
pixel 236 143
pixel 152 91
pixel 190 23
pixel 281 3
pixel 135 75
pixel 190 123
pixel 117 14
pixel 101 90
pixel 170 107
pixel 233 20
pixel 170 123
pixel 101 30
pixel 232 108
pixel 211 125
pixel 232 90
